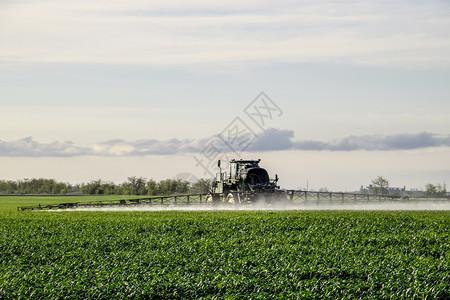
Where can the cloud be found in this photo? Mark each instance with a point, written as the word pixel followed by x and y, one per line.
pixel 28 147
pixel 406 141
pixel 270 140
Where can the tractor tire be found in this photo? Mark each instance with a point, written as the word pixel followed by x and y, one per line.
pixel 233 198
pixel 210 198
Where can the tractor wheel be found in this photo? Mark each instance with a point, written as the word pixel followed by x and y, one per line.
pixel 210 198
pixel 233 198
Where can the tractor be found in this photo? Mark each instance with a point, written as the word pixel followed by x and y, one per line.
pixel 246 182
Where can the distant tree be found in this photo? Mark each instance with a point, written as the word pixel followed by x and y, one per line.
pixel 380 186
pixel 435 190
pixel 430 189
pixel 135 186
pixel 34 186
pixel 109 188
pixel 164 187
pixel 8 187
pixel 201 186
pixel 181 186
pixel 172 186
pixel 152 188
pixel 94 187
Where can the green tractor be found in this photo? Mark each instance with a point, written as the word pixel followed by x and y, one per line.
pixel 246 182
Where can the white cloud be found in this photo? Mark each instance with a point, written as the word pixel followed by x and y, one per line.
pixel 270 140
pixel 378 142
pixel 28 147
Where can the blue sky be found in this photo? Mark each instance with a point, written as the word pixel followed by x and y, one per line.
pixel 121 88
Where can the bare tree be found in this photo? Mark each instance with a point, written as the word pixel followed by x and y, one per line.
pixel 380 186
pixel 436 190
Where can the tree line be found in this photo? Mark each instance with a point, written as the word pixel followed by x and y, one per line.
pixel 35 186
pixel 141 186
pixel 380 186
pixel 133 186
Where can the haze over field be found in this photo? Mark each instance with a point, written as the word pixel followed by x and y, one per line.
pixel 353 90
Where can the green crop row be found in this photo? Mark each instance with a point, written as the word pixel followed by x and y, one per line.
pixel 225 254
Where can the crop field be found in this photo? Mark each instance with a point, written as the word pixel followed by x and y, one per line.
pixel 222 254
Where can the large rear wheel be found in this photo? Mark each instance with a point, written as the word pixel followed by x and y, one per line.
pixel 233 198
pixel 211 198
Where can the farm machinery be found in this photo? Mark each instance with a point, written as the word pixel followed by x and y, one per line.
pixel 246 182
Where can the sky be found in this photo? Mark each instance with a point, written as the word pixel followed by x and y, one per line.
pixel 328 94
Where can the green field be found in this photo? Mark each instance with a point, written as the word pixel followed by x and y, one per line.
pixel 222 254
